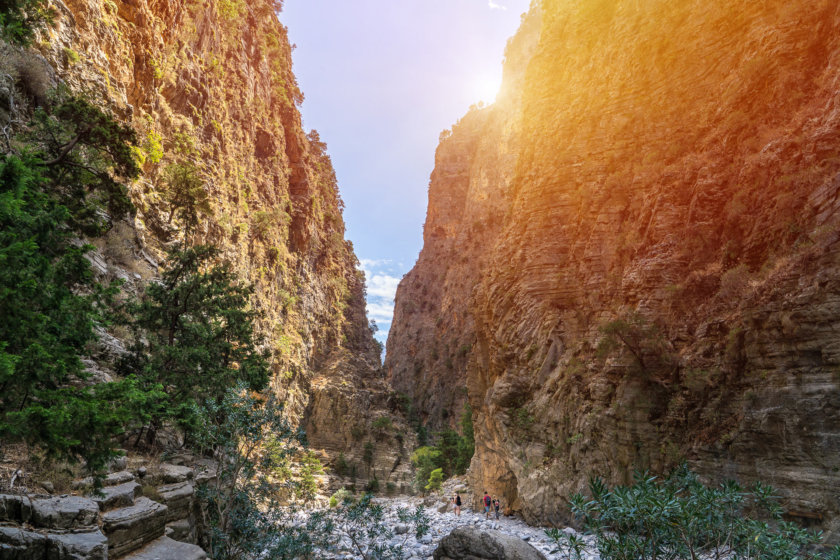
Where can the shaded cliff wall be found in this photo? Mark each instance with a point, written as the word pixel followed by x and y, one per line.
pixel 665 281
pixel 433 332
pixel 210 84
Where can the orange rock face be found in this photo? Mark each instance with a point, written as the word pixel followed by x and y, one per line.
pixel 645 261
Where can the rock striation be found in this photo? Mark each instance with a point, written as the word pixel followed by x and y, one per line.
pixel 652 274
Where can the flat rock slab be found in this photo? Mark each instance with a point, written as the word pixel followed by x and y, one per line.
pixel 175 473
pixel 77 546
pixel 122 495
pixel 167 549
pixel 178 498
pixel 64 512
pixel 113 479
pixel 130 528
pixel 17 544
pixel 469 543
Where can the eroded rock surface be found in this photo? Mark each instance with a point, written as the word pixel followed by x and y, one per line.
pixel 657 275
pixel 468 543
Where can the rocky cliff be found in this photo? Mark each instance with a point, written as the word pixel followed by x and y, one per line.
pixel 210 89
pixel 651 274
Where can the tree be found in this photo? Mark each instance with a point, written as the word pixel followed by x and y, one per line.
pixel 86 156
pixel 185 194
pixel 195 332
pixel 20 18
pixel 435 480
pixel 49 299
pixel 240 505
pixel 425 460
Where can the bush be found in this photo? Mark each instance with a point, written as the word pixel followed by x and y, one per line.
pixel 20 18
pixel 679 517
pixel 435 480
pixel 195 333
pixel 363 524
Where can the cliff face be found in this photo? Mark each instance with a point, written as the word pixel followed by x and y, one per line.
pixel 210 85
pixel 661 280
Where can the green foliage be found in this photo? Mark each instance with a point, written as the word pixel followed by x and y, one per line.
pixel 341 496
pixel 341 466
pixel 382 425
pixel 435 480
pixel 372 486
pixel 184 193
pixel 367 455
pixel 363 523
pixel 306 487
pixel 19 19
pixel 569 544
pixel 153 147
pixel 195 332
pixel 239 507
pixel 425 460
pixel 638 336
pixel 679 517
pixel 49 299
pixel 86 156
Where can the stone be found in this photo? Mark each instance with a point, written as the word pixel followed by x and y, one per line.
pixel 48 486
pixel 467 543
pixel 64 512
pixel 177 498
pixel 10 508
pixel 165 548
pixel 180 530
pixel 77 546
pixel 17 544
pixel 130 528
pixel 118 463
pixel 175 473
pixel 112 479
pixel 121 495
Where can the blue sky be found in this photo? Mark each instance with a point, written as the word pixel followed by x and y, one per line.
pixel 382 79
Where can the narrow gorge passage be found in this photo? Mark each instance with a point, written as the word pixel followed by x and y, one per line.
pixel 621 323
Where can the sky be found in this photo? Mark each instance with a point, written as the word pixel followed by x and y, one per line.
pixel 382 79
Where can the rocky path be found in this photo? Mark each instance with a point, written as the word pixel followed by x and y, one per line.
pixel 443 520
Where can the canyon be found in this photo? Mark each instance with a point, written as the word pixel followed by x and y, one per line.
pixel 209 87
pixel 631 258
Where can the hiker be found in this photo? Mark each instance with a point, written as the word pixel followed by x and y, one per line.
pixel 457 501
pixel 487 502
pixel 496 506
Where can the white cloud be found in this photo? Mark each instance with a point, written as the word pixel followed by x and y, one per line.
pixel 494 6
pixel 382 286
pixel 382 313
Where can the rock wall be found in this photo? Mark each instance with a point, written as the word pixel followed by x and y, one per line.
pixel 210 84
pixel 661 279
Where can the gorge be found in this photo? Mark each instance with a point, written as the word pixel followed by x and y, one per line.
pixel 631 259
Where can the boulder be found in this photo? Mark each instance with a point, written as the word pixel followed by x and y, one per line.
pixel 132 527
pixel 17 544
pixel 64 512
pixel 113 479
pixel 165 548
pixel 180 530
pixel 77 546
pixel 469 543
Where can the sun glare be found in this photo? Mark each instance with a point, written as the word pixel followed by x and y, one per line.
pixel 485 88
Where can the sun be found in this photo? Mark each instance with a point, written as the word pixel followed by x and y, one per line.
pixel 485 88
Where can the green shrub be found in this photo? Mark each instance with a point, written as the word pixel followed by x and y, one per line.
pixel 435 480
pixel 20 18
pixel 679 517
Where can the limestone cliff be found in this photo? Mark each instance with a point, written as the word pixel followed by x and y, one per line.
pixel 661 274
pixel 210 85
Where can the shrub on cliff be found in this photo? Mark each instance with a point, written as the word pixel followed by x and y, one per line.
pixel 20 18
pixel 71 160
pixel 679 517
pixel 195 333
